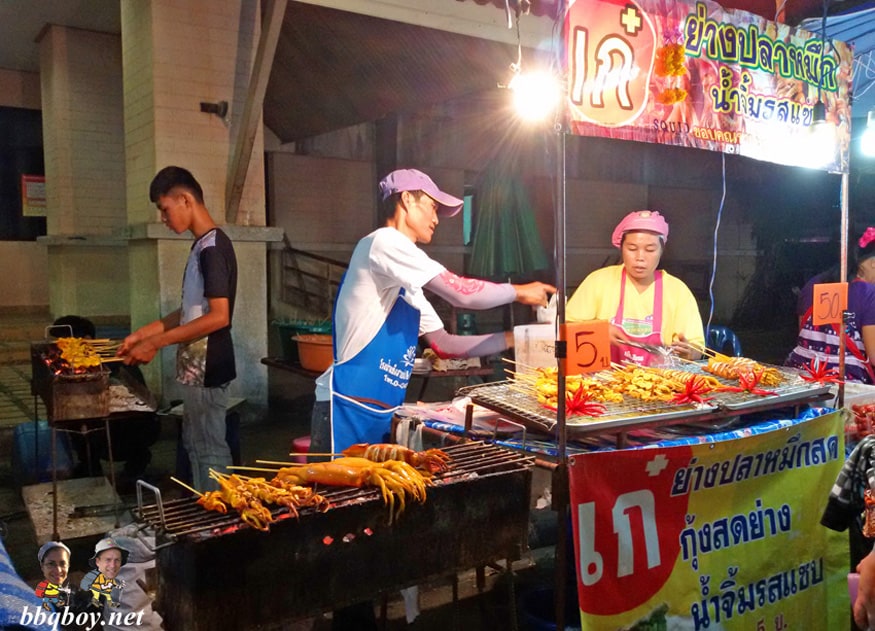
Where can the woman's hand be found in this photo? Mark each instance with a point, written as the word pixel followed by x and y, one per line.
pixel 617 335
pixel 683 349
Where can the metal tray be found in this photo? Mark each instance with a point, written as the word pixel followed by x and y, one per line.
pixel 505 397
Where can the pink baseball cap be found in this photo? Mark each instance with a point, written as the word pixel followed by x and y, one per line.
pixel 413 180
pixel 649 220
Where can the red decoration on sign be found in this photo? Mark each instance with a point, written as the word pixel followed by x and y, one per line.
pixel 627 525
pixel 611 57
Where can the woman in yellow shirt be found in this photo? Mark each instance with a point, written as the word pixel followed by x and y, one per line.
pixel 643 304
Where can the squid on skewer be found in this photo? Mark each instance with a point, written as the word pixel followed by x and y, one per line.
pixel 395 479
pixel 431 460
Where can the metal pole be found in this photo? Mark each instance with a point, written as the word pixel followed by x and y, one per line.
pixel 560 475
pixel 843 270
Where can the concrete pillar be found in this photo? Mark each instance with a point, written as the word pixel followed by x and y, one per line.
pixel 83 139
pixel 177 54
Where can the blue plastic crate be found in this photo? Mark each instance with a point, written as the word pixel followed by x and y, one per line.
pixel 32 454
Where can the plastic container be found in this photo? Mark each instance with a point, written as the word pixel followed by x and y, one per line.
pixel 290 328
pixel 534 346
pixel 314 351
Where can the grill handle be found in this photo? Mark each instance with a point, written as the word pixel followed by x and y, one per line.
pixel 158 502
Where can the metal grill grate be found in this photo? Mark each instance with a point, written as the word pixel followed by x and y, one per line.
pixel 185 518
pixel 506 397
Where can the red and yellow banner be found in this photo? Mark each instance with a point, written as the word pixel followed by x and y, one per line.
pixel 720 536
pixel 694 74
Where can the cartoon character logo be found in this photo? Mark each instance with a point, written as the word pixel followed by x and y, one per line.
pixel 102 581
pixel 104 589
pixel 54 596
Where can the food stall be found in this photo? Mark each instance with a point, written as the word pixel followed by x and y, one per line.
pixel 695 75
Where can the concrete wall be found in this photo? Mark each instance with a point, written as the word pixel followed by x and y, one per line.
pixel 83 138
pixel 24 283
pixel 605 180
pixel 20 89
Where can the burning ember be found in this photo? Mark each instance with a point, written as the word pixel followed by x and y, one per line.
pixel 72 356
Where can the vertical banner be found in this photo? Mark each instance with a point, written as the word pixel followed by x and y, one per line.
pixel 693 74
pixel 720 536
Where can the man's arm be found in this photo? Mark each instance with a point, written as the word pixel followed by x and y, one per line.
pixel 473 293
pixel 447 345
pixel 141 346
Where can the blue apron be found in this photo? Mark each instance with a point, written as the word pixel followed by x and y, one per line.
pixel 368 388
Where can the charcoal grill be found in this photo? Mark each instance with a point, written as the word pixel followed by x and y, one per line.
pixel 506 397
pixel 67 396
pixel 215 572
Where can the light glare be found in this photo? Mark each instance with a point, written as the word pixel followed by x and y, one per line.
pixel 535 95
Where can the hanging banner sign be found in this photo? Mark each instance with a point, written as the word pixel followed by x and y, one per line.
pixel 720 536
pixel 694 74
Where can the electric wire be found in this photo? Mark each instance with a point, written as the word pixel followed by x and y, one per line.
pixel 714 252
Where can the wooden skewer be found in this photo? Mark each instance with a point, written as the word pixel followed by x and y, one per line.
pixel 292 464
pixel 187 487
pixel 304 455
pixel 704 350
pixel 239 467
pixel 520 376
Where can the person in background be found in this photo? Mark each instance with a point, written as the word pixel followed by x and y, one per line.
pixel 642 303
pixel 201 327
pixel 849 507
pixel 820 344
pixel 131 438
pixel 379 314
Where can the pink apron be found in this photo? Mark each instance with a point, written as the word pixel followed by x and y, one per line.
pixel 625 352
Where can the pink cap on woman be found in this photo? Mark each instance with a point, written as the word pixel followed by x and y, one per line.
pixel 649 220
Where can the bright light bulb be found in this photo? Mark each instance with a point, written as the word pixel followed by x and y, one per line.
pixel 820 146
pixel 535 95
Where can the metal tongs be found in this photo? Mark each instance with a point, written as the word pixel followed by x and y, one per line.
pixel 663 351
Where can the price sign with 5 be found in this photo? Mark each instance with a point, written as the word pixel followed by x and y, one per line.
pixel 830 300
pixel 589 347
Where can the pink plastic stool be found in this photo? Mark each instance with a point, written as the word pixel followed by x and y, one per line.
pixel 301 446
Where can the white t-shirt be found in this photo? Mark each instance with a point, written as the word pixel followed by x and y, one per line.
pixel 381 263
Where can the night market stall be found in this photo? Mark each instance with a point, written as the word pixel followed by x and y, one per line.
pixel 720 530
